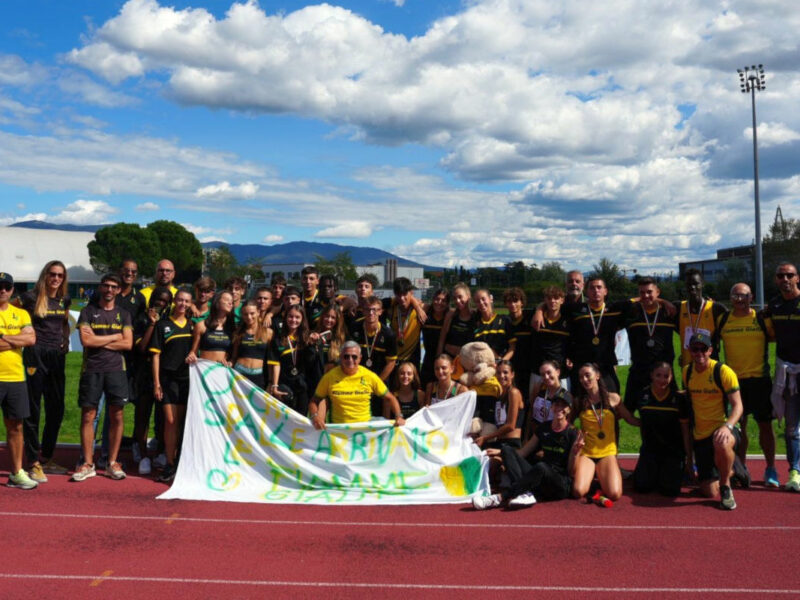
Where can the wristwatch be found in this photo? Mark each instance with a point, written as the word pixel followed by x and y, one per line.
pixel 729 426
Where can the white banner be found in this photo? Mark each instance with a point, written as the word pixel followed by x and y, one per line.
pixel 243 445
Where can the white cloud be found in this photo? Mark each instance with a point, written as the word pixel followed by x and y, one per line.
pixel 91 92
pixel 272 238
pixel 208 234
pixel 224 189
pixel 611 128
pixel 772 134
pixel 86 212
pixel 352 229
pixel 148 206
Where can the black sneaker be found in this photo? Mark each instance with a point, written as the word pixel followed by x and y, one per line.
pixel 741 475
pixel 726 498
pixel 167 474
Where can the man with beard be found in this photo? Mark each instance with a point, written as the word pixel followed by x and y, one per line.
pixel 784 311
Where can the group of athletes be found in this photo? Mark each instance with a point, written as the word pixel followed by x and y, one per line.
pixel 554 367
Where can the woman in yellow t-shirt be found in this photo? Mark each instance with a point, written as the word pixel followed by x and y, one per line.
pixel 596 447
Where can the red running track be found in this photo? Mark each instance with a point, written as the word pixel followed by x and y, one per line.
pixel 112 539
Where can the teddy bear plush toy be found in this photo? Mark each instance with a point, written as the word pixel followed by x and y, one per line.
pixel 477 361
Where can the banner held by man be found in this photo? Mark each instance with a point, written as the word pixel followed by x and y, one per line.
pixel 243 445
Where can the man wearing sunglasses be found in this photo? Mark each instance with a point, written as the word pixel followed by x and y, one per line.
pixel 106 333
pixel 165 275
pixel 784 312
pixel 348 389
pixel 16 332
pixel 709 384
pixel 128 297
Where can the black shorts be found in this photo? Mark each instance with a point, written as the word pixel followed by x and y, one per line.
pixel 175 389
pixel 704 456
pixel 114 384
pixel 658 471
pixel 756 392
pixel 14 400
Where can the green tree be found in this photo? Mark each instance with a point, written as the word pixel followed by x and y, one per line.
pixel 221 264
pixel 552 272
pixel 121 241
pixel 340 266
pixel 614 278
pixel 179 245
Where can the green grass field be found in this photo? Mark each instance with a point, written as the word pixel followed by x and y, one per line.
pixel 629 436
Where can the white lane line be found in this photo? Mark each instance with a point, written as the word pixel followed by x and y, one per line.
pixel 584 527
pixel 395 585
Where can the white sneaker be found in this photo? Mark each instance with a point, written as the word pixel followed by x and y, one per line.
pixel 136 452
pixel 152 444
pixel 144 466
pixel 160 461
pixel 484 502
pixel 526 499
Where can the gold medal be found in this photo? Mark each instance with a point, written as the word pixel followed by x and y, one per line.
pixel 596 341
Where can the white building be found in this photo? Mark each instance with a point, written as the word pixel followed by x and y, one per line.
pixel 24 251
pixel 383 272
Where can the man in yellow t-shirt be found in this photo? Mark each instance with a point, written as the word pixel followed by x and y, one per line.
pixel 348 389
pixel 716 436
pixel 746 337
pixel 16 332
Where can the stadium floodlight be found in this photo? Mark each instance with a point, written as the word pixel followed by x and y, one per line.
pixel 752 79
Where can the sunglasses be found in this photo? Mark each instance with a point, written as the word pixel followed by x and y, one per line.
pixel 6 287
pixel 737 297
pixel 785 275
pixel 698 349
pixel 56 275
pixel 130 271
pixel 349 356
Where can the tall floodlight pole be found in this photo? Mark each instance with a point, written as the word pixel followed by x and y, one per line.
pixel 751 79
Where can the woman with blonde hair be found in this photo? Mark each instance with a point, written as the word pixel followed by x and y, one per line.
pixel 48 304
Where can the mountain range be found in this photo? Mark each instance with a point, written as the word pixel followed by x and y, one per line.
pixel 290 252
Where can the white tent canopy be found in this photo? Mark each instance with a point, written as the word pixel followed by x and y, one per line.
pixel 25 251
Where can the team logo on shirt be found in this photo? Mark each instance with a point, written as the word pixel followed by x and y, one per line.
pixel 31 371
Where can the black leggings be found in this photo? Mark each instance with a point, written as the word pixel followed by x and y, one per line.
pixel 47 379
pixel 540 478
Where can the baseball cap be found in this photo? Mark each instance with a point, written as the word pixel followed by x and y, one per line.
pixel 700 338
pixel 6 278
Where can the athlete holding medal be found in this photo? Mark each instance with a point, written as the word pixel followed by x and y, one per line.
pixel 650 331
pixel 596 448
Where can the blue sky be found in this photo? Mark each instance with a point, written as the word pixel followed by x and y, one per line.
pixel 452 133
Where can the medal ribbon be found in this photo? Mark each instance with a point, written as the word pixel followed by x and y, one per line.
pixel 651 330
pixel 699 315
pixel 370 347
pixel 596 328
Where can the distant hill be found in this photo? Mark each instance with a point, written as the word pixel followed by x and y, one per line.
pixel 305 252
pixel 291 252
pixel 58 226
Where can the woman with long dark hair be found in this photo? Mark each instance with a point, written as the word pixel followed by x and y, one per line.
pixel 250 343
pixel 459 325
pixel 212 339
pixel 437 312
pixel 289 358
pixel 48 304
pixel 596 447
pixel 169 346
